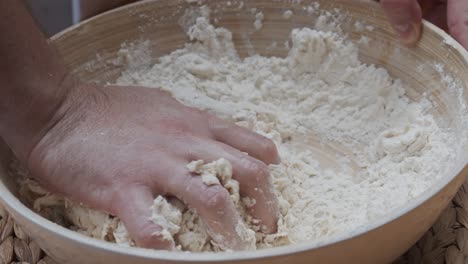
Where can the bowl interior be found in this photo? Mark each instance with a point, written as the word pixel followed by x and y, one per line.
pixel 435 69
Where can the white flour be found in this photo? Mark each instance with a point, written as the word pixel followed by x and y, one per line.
pixel 288 14
pixel 320 94
pixel 258 23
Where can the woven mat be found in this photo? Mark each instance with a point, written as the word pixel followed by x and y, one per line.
pixel 447 240
pixel 445 243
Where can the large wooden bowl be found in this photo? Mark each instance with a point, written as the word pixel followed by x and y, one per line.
pixel 159 22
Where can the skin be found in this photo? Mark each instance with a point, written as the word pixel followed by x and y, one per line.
pixel 116 148
pixel 406 17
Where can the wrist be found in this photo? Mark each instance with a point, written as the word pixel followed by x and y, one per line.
pixel 29 116
pixel 34 81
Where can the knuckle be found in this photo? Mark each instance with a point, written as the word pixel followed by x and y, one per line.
pixel 216 197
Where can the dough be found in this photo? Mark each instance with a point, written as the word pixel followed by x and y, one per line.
pixel 321 90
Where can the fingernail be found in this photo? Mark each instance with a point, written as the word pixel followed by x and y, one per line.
pixel 409 33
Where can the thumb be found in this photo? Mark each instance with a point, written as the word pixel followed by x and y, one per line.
pixel 405 17
pixel 134 209
pixel 458 20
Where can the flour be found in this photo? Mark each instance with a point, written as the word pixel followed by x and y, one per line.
pixel 322 95
pixel 287 14
pixel 167 217
pixel 258 23
pixel 320 90
pixel 216 173
pixel 208 177
pixel 219 172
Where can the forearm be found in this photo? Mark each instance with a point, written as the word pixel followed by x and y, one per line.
pixel 31 78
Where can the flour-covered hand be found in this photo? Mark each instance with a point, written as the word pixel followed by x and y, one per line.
pixel 406 17
pixel 116 148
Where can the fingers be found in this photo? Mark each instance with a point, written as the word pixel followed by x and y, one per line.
pixel 214 205
pixel 245 140
pixel 133 208
pixel 405 17
pixel 458 20
pixel 253 177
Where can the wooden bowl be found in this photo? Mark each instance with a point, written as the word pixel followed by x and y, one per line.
pixel 89 49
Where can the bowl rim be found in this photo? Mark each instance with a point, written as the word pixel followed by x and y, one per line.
pixel 12 202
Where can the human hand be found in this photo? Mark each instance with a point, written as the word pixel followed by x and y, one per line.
pixel 406 16
pixel 116 148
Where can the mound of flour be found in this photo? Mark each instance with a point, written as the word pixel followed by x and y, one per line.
pixel 322 92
